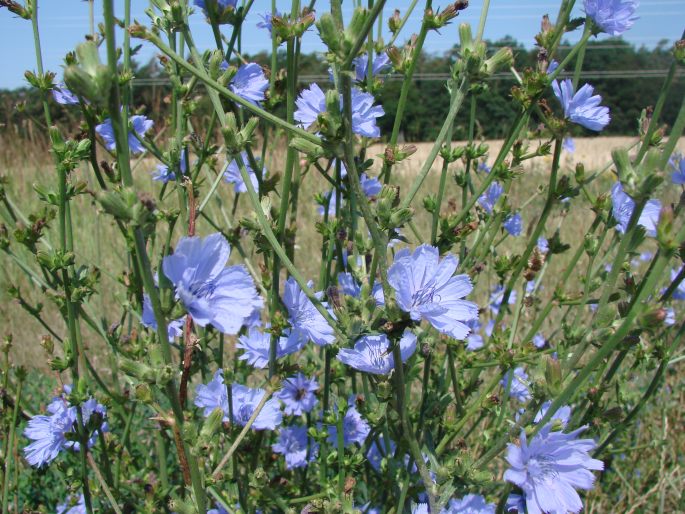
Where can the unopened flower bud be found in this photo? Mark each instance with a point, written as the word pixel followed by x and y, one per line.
pixel 394 22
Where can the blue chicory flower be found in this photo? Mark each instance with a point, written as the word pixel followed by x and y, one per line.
pixel 360 65
pixel 679 293
pixel 497 296
pixel 73 505
pixel 212 293
pixel 474 341
pixel 304 317
pixel 551 468
pixel 469 504
pixel 513 224
pixel 355 429
pixel 516 504
pixel 292 444
pixel 569 145
pixel 489 198
pixel 165 174
pixel 63 96
pixel 483 166
pixel 218 5
pixel 378 451
pixel 517 384
pixel 140 125
pixel 622 206
pixel 174 327
pixel 677 163
pixel 331 202
pixel 371 353
pixel 256 345
pixel 266 20
pixel 233 176
pixel 214 396
pixel 427 289
pixel 49 432
pixel 297 395
pixel 312 102
pixel 539 341
pixel 370 185
pixel 250 83
pixel 348 285
pixel 543 245
pixel 582 107
pixel 562 415
pixel 614 17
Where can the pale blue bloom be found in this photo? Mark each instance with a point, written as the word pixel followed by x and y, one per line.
pixel 174 327
pixel 163 174
pixel 298 395
pixel 292 444
pixel 370 185
pixel 582 107
pixel 516 503
pixel 348 285
pixel 378 451
pixel 427 288
pixel 539 341
pixel 71 507
pixel 569 145
pixel 562 415
pixel 364 114
pixel 312 102
pixel 489 198
pixel 614 17
pixel 497 296
pixel 304 317
pixel 474 341
pixel 140 125
pixel 360 64
pixel 679 293
pixel 552 66
pixel 250 83
pixel 332 201
pixel 517 384
pixel 483 167
pixel 233 176
pixel 372 353
pixel 355 429
pixel 266 20
pixel 212 293
pixel 49 433
pixel 420 508
pixel 213 396
pixel 63 96
pixel 678 174
pixel 551 468
pixel 513 224
pixel 469 504
pixel 543 245
pixel 669 320
pixel 256 345
pixel 622 206
pixel 219 5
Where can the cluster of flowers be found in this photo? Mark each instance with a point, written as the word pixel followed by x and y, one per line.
pixel 548 469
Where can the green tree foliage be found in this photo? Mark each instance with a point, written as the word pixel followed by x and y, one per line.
pixel 627 94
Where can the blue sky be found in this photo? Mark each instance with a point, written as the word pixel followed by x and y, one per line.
pixel 63 24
